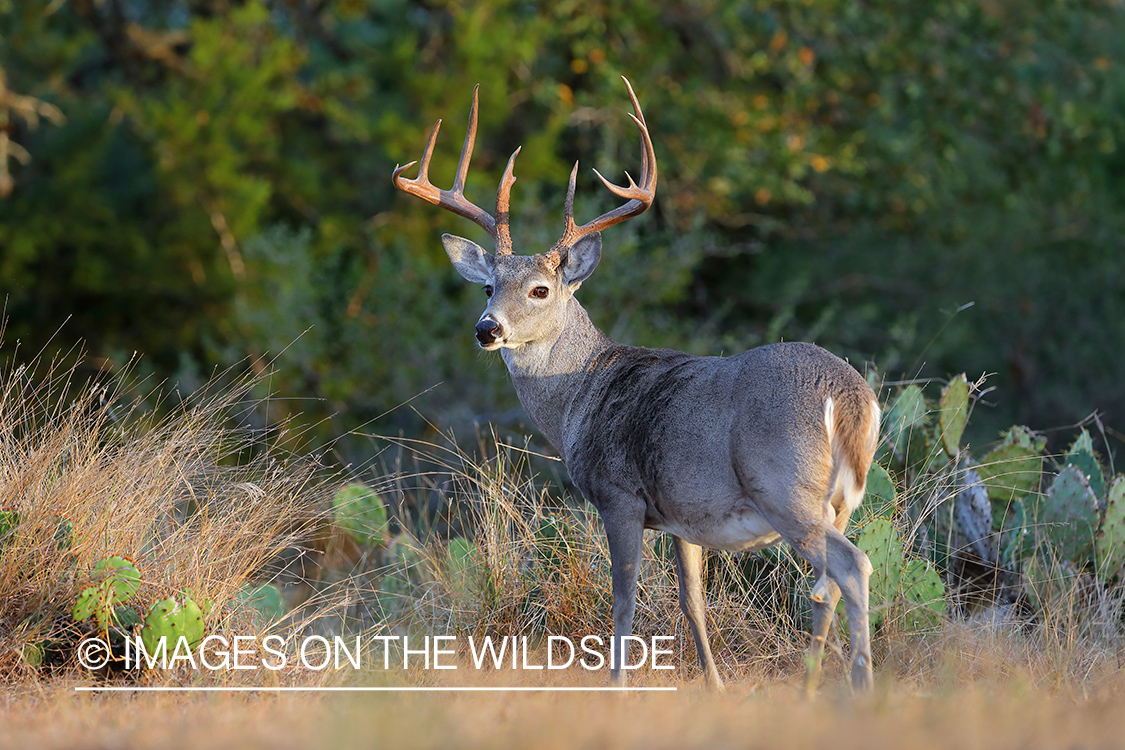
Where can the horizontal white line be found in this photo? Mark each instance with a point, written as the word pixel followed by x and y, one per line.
pixel 244 689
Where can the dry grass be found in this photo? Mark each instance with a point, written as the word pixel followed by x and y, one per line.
pixel 198 503
pixel 192 500
pixel 976 708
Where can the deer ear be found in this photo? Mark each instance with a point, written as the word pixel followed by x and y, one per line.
pixel 582 259
pixel 469 258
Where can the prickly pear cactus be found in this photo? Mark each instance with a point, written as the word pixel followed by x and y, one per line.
pixel 973 512
pixel 1067 515
pixel 120 580
pixel 953 413
pixel 172 620
pixel 1081 456
pixel 165 620
pixel 879 500
pixel 924 594
pixel 1110 542
pixel 194 625
pixel 265 600
pixel 1011 470
pixel 360 511
pixel 900 588
pixel 905 426
pixel 881 542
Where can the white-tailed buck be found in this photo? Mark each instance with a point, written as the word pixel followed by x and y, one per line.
pixel 730 453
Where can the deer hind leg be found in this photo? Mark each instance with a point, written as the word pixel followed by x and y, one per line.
pixel 825 595
pixel 838 564
pixel 850 569
pixel 689 565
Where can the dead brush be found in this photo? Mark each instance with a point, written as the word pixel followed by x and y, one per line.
pixel 193 499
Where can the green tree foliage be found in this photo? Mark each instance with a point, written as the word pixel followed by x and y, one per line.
pixel 845 173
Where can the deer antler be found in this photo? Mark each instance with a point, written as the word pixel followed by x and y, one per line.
pixel 454 200
pixel 639 197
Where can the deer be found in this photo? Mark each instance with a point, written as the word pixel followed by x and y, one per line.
pixel 729 453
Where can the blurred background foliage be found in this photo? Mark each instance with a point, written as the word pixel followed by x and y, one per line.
pixel 923 187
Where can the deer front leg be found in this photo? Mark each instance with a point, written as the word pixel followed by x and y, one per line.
pixel 689 566
pixel 625 534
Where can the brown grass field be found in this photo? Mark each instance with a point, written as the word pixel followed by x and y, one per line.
pixel 997 710
pixel 197 503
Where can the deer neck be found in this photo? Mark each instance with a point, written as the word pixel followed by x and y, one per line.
pixel 549 373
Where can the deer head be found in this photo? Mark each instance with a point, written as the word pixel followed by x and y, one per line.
pixel 527 294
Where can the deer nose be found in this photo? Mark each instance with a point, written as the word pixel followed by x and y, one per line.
pixel 488 331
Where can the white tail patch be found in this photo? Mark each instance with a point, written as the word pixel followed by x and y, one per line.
pixel 855 482
pixel 830 418
pixel 849 480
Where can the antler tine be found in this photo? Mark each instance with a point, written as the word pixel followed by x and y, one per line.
pixel 554 256
pixel 639 197
pixel 467 149
pixel 454 200
pixel 503 199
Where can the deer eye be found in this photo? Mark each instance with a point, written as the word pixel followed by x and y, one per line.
pixel 540 292
pixel 488 291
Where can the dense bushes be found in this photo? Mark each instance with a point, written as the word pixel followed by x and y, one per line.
pixel 849 174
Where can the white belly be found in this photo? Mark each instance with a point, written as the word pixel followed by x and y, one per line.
pixel 741 531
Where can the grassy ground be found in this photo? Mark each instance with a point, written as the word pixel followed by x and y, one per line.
pixel 195 502
pixel 958 714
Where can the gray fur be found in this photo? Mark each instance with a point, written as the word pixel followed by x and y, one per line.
pixel 728 453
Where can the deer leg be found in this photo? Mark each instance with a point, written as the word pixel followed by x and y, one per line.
pixel 850 569
pixel 625 536
pixel 825 594
pixel 689 565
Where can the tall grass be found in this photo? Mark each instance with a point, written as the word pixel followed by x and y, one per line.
pixel 197 499
pixel 194 498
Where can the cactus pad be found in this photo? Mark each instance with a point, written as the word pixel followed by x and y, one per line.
pixel 360 511
pixel 905 422
pixel 121 574
pixel 1081 456
pixel 1068 514
pixel 881 543
pixel 953 413
pixel 165 620
pixel 1046 581
pixel 120 579
pixel 265 600
pixel 879 499
pixel 1011 470
pixel 924 594
pixel 86 603
pixel 1110 542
